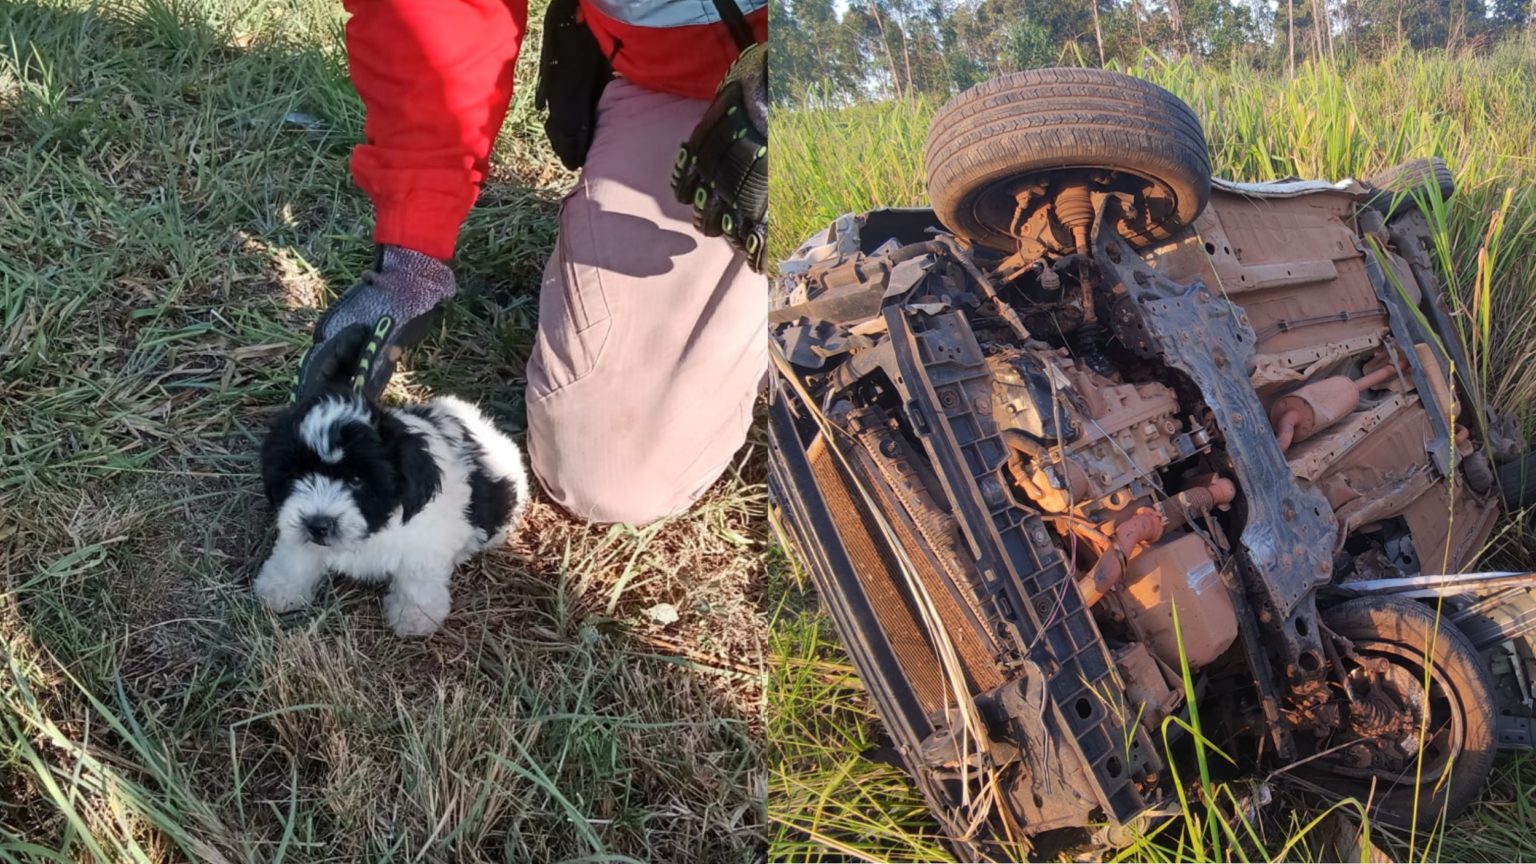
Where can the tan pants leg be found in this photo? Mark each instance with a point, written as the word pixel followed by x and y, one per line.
pixel 651 344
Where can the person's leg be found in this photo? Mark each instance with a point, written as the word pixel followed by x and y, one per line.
pixel 652 339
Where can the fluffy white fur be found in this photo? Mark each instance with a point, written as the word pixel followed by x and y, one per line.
pixel 416 557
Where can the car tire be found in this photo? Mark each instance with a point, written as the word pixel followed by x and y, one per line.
pixel 1044 121
pixel 1385 625
pixel 1398 189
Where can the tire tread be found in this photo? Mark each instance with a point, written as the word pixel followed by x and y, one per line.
pixel 1041 119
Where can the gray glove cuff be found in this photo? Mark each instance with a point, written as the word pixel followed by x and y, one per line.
pixel 405 284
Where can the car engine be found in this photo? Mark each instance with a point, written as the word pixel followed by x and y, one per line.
pixel 1100 474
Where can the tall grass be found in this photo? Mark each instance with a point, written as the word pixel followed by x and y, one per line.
pixel 1477 112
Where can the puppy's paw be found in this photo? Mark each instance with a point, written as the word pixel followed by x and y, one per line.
pixel 283 590
pixel 414 614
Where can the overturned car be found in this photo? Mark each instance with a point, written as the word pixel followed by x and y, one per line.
pixel 1098 436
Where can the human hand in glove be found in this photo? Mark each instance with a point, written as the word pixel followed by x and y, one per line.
pixel 362 335
pixel 722 172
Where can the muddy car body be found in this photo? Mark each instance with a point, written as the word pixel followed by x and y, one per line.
pixel 1054 467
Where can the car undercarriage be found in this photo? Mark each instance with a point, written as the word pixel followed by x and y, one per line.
pixel 1100 451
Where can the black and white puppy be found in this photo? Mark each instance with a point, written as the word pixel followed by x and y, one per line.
pixel 403 495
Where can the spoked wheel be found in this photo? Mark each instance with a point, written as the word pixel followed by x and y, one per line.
pixel 1406 750
pixel 1018 162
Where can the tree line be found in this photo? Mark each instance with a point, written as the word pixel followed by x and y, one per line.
pixel 848 50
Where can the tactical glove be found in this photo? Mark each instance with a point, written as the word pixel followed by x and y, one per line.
pixel 362 335
pixel 722 172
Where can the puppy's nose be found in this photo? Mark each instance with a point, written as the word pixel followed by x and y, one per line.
pixel 320 528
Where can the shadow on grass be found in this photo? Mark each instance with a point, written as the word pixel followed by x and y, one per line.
pixel 178 207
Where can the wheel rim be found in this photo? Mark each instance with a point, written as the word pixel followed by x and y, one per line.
pixel 995 206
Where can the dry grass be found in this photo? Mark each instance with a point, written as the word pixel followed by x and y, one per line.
pixel 177 209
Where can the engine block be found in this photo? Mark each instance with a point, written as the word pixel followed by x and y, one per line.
pixel 1101 437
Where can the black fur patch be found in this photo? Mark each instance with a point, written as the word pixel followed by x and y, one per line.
pixel 491 500
pixel 416 471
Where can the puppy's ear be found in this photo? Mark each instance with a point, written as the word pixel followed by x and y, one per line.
pixel 416 471
pixel 278 451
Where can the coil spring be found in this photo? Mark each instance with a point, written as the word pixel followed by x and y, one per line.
pixel 1088 343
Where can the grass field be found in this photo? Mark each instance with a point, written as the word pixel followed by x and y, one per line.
pixel 830 803
pixel 174 209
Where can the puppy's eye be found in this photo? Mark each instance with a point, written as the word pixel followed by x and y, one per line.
pixel 354 482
